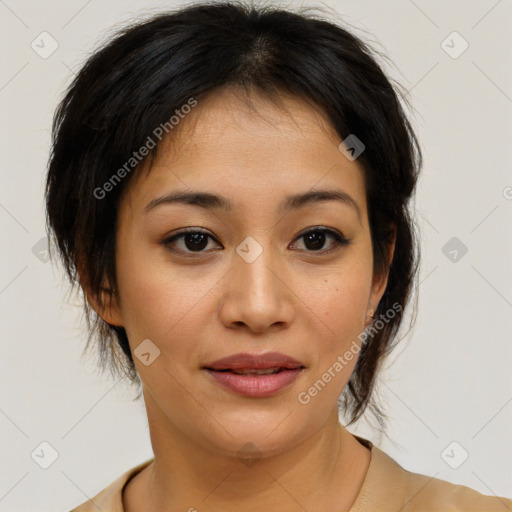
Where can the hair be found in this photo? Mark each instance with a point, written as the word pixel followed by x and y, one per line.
pixel 146 71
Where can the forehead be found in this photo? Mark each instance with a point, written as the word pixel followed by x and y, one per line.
pixel 230 117
pixel 250 148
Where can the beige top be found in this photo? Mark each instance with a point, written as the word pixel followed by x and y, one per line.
pixel 387 487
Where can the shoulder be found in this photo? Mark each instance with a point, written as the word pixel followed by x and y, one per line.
pixel 111 498
pixel 390 487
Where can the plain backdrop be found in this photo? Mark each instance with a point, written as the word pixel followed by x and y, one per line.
pixel 447 390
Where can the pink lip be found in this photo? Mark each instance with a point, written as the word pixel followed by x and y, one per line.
pixel 257 386
pixel 254 361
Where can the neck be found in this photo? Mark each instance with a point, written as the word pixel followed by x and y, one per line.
pixel 324 471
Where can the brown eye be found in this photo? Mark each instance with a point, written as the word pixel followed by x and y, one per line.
pixel 192 240
pixel 315 239
pixel 195 241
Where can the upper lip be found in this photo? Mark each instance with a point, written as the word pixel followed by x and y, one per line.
pixel 255 362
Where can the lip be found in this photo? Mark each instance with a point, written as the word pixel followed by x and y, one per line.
pixel 257 386
pixel 245 361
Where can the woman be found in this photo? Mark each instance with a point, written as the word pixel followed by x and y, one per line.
pixel 229 185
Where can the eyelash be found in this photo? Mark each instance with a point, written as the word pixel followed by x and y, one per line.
pixel 339 240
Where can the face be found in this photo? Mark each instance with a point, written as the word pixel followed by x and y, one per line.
pixel 202 282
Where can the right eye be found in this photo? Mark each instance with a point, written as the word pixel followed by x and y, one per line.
pixel 192 240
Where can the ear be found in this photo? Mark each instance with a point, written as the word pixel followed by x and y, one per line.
pixel 380 281
pixel 106 304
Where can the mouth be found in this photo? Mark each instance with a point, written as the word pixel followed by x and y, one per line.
pixel 254 371
pixel 255 375
pixel 269 362
pixel 255 383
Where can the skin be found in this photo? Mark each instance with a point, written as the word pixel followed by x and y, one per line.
pixel 199 307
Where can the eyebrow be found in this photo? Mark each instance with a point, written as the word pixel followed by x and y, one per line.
pixel 207 200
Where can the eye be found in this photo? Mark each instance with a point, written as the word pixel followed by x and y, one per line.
pixel 192 240
pixel 315 239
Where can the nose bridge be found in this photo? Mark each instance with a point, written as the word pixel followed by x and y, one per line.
pixel 257 260
pixel 253 266
pixel 258 297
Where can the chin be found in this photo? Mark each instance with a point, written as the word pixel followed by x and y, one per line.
pixel 256 434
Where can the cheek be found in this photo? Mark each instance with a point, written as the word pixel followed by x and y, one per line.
pixel 342 303
pixel 159 307
pixel 157 301
pixel 343 298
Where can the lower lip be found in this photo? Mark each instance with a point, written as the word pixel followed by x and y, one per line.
pixel 258 386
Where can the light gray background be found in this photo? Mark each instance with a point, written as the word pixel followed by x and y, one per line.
pixel 451 381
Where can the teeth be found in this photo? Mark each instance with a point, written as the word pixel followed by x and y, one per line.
pixel 267 371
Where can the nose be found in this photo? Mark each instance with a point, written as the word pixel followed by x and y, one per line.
pixel 257 296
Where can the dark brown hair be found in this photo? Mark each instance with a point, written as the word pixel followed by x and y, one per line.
pixel 144 73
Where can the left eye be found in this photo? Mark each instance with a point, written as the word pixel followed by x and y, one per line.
pixel 314 239
pixel 194 240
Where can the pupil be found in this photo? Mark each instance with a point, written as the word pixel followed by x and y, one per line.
pixel 316 240
pixel 198 241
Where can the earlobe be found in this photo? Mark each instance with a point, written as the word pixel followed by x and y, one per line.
pixel 380 282
pixel 369 317
pixel 106 305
